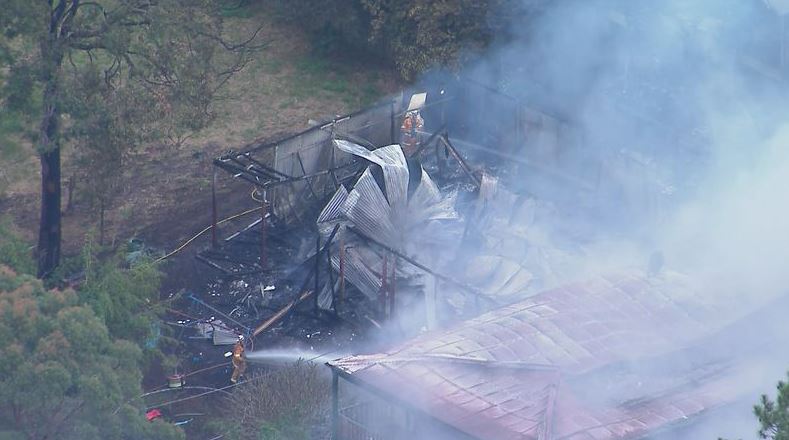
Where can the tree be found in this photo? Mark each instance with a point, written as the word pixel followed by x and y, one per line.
pixel 61 374
pixel 421 33
pixel 774 415
pixel 107 74
pixel 415 35
pixel 125 299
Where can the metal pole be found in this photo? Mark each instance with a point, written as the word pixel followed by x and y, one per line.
pixel 392 288
pixel 392 119
pixel 317 269
pixel 214 240
pixel 335 405
pixel 263 232
pixel 331 280
pixel 342 269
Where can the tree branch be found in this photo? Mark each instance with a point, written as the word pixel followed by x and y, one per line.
pixel 237 46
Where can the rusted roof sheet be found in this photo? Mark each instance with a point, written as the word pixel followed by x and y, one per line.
pixel 530 370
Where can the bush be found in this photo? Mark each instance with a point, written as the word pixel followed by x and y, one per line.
pixel 414 35
pixel 15 252
pixel 285 404
pixel 61 373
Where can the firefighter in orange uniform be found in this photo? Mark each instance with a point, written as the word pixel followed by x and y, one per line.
pixel 239 361
pixel 409 131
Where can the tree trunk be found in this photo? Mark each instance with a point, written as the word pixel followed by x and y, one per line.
pixel 49 227
pixel 48 252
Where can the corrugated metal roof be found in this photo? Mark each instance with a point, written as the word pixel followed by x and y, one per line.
pixel 388 214
pixel 369 211
pixel 492 377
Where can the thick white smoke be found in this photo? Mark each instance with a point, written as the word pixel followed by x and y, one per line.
pixel 681 108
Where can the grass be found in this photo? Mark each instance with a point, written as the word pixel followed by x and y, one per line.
pixel 317 76
pixel 14 150
pixel 243 9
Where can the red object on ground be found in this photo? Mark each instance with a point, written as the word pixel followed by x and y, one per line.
pixel 153 414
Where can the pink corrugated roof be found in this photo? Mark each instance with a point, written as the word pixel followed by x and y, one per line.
pixel 526 371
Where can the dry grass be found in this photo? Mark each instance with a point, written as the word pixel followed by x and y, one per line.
pixel 284 404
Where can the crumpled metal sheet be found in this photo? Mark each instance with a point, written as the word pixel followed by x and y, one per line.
pixel 389 215
pixel 367 208
pixel 361 269
pixel 392 161
pixel 427 203
pixel 333 209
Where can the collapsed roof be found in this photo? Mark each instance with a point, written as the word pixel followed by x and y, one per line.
pixel 401 215
pixel 583 361
pixel 397 203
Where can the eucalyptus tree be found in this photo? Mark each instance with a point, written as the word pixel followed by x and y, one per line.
pixel 106 75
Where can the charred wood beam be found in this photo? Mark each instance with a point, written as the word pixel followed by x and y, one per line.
pixel 237 172
pixel 463 165
pixel 236 275
pixel 430 140
pixel 266 167
pixel 251 169
pixel 212 264
pixel 225 257
pixel 217 311
pixel 304 173
pixel 281 313
pixel 239 169
pixel 309 176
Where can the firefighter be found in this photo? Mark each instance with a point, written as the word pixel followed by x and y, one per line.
pixel 409 131
pixel 239 361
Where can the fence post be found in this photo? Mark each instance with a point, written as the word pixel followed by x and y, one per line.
pixel 214 241
pixel 263 232
pixel 335 405
pixel 394 125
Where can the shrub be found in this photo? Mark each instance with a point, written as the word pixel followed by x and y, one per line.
pixel 14 251
pixel 283 404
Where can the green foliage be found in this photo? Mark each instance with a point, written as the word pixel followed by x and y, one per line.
pixel 61 373
pixel 316 75
pixel 420 34
pixel 123 298
pixel 414 35
pixel 105 76
pixel 15 252
pixel 340 26
pixel 773 415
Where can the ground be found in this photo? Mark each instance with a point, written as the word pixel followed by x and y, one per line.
pixel 166 190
